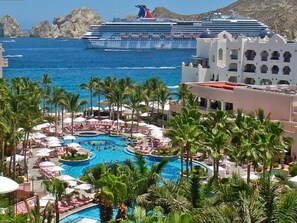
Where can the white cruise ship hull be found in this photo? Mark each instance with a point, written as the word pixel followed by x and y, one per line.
pixel 141 44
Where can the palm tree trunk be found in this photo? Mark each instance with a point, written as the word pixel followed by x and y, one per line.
pixel 187 164
pixel 72 126
pixel 57 212
pixel 91 101
pixel 14 150
pixel 62 110
pixel 248 172
pixel 99 104
pixel 132 123
pixel 118 117
pixel 56 120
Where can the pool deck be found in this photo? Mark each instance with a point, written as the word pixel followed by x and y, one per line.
pixel 73 211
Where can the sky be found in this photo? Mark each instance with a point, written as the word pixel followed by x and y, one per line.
pixel 30 12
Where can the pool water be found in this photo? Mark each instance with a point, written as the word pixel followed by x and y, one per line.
pixel 110 149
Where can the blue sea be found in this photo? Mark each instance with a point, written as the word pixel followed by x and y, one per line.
pixel 70 63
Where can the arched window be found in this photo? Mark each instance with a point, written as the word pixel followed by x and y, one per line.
pixel 287 56
pixel 232 67
pixel 274 69
pixel 249 80
pixel 264 69
pixel 264 55
pixel 250 68
pixel 250 54
pixel 286 70
pixel 275 55
pixel 220 54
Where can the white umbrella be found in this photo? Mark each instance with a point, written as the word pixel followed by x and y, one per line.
pixel 47 164
pixel 69 190
pixel 72 183
pixel 138 135
pixel 52 138
pixel 38 135
pixel 145 114
pixel 7 185
pixel 42 154
pixel 87 220
pixel 54 144
pixel 44 202
pixel 67 120
pixel 73 145
pixel 48 197
pixel 293 179
pixel 106 120
pixel 79 119
pixel 44 150
pixel 252 176
pixel 57 169
pixel 69 137
pixel 92 120
pixel 83 187
pixel 18 158
pixel 65 178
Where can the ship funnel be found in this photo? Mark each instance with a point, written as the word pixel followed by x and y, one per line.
pixel 144 12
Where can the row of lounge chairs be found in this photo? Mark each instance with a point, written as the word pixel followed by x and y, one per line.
pixel 73 202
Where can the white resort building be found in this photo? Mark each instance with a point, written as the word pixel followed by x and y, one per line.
pixel 3 62
pixel 264 60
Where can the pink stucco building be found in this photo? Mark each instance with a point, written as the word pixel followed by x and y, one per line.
pixel 278 100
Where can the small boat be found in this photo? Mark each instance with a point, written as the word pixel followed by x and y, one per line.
pixel 135 36
pixel 187 36
pixel 145 36
pixel 156 36
pixel 168 36
pixel 177 36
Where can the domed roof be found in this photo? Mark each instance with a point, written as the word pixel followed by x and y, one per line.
pixel 206 34
pixel 266 32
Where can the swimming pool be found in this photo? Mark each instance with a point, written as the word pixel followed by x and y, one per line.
pixel 110 149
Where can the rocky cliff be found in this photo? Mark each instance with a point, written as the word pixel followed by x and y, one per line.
pixel 70 26
pixel 10 27
pixel 279 16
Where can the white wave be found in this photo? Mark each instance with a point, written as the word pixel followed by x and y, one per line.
pixel 116 50
pixel 9 56
pixel 8 41
pixel 173 87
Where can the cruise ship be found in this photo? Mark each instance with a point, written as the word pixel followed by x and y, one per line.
pixel 147 32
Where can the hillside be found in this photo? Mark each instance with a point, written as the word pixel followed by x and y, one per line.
pixel 278 15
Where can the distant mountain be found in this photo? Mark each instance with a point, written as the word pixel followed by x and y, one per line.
pixel 279 16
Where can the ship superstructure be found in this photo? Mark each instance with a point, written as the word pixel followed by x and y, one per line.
pixel 146 32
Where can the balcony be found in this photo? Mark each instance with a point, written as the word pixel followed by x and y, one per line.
pixel 233 57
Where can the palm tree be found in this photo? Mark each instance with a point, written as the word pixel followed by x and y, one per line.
pixel 90 87
pixel 185 131
pixel 57 99
pixel 163 99
pixel 149 95
pixel 73 105
pixel 57 188
pixel 217 137
pixel 118 95
pixel 98 90
pixel 108 85
pixel 134 103
pixel 46 81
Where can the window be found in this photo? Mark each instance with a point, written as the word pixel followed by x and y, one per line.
pixel 250 54
pixel 264 69
pixel 275 55
pixel 232 67
pixel 250 68
pixel 274 69
pixel 264 55
pixel 220 54
pixel 286 70
pixel 287 56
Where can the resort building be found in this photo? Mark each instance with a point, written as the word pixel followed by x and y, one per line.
pixel 278 100
pixel 3 62
pixel 264 60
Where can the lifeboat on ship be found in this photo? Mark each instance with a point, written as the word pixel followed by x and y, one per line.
pixel 196 35
pixel 156 36
pixel 145 36
pixel 125 36
pixel 177 36
pixel 168 36
pixel 187 36
pixel 134 36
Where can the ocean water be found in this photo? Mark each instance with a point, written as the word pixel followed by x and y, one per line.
pixel 70 63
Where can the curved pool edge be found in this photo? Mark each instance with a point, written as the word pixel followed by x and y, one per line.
pixel 75 210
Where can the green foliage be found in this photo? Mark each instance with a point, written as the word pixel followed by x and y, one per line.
pixel 293 169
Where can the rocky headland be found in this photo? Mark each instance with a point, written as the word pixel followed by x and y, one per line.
pixel 70 26
pixel 10 27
